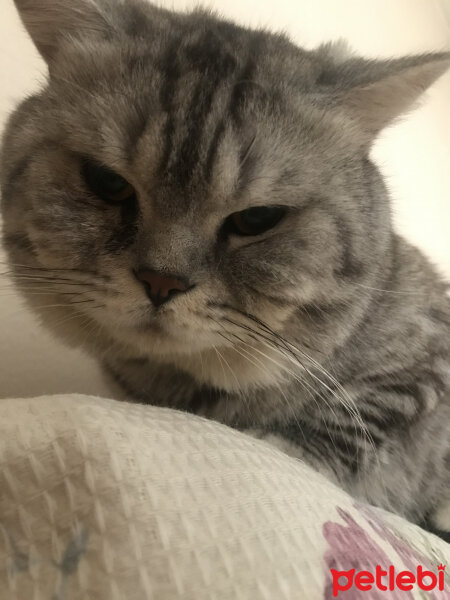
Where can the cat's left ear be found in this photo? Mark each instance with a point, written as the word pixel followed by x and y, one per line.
pixel 374 93
pixel 49 22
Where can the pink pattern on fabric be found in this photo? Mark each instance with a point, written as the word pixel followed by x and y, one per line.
pixel 410 556
pixel 351 547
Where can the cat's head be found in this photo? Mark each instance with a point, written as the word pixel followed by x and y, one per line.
pixel 187 185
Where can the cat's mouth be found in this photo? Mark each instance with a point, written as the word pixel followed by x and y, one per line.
pixel 153 326
pixel 167 332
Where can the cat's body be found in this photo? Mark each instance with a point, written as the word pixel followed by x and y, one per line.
pixel 308 323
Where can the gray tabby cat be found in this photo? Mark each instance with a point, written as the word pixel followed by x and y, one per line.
pixel 194 203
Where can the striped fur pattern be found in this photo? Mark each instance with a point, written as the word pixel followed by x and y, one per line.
pixel 328 335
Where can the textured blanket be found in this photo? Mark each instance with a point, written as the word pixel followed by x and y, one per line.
pixel 105 500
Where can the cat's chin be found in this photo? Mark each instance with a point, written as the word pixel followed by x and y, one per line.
pixel 158 340
pixel 229 369
pixel 205 357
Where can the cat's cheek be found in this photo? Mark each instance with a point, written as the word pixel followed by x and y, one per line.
pixel 274 314
pixel 58 243
pixel 49 250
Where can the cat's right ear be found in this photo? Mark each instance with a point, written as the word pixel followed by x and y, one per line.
pixel 50 22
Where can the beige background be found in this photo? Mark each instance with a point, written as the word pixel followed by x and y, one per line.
pixel 414 156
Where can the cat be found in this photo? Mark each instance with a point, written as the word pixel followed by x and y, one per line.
pixel 194 203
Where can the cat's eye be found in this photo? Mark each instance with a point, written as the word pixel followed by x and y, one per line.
pixel 108 185
pixel 255 220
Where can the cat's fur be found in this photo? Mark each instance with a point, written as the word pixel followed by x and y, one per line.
pixel 329 334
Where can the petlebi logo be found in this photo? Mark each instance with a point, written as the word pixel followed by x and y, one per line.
pixel 388 580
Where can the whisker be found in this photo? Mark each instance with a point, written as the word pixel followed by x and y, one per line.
pixel 48 279
pixel 51 269
pixel 262 366
pixel 76 314
pixel 291 352
pixel 396 292
pixel 309 388
pixel 292 349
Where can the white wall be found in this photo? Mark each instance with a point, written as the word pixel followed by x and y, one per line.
pixel 415 155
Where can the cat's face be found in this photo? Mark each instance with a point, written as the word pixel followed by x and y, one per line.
pixel 179 172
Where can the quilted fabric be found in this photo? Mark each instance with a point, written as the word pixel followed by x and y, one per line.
pixel 102 500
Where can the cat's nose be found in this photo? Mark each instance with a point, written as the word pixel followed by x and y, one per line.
pixel 161 287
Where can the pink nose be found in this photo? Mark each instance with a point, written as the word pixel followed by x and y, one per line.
pixel 161 287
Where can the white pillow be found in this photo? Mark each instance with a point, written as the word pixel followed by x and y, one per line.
pixel 102 500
